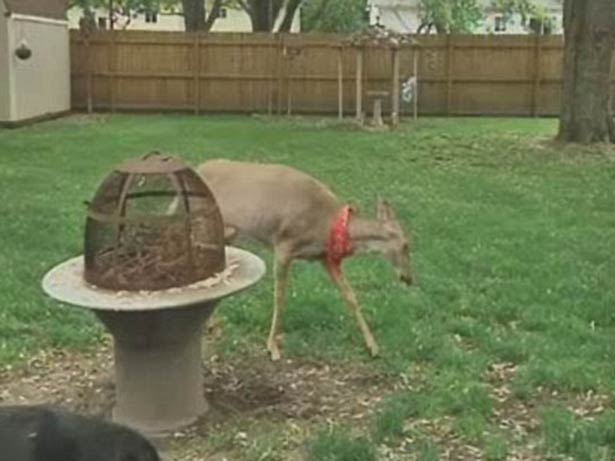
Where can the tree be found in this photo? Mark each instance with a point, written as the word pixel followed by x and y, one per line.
pixel 195 19
pixel 333 15
pixel 121 9
pixel 264 14
pixel 88 7
pixel 449 16
pixel 589 31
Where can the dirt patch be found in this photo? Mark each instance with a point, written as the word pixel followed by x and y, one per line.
pixel 252 386
pixel 82 382
pixel 519 418
pixel 249 395
pixel 296 389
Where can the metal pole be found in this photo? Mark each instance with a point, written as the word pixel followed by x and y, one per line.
pixel 415 65
pixel 359 85
pixel 395 89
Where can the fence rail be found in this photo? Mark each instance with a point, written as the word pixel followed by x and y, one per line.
pixel 234 72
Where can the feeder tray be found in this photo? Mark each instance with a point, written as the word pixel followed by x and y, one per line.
pixel 153 224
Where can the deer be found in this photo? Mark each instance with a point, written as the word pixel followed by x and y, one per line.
pixel 299 218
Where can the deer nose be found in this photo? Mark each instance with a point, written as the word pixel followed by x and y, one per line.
pixel 407 279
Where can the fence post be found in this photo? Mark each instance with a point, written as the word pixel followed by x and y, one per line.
pixel 288 68
pixel 359 84
pixel 112 69
pixel 197 74
pixel 280 71
pixel 340 82
pixel 88 77
pixel 536 86
pixel 449 74
pixel 395 89
pixel 415 66
pixel 271 75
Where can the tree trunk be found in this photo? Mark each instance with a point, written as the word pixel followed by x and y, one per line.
pixel 263 14
pixel 289 15
pixel 213 15
pixel 194 15
pixel 589 31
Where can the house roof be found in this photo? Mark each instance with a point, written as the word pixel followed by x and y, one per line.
pixel 55 9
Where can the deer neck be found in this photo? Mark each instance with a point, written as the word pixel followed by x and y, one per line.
pixel 365 234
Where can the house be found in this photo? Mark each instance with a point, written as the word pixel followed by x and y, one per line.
pixel 229 19
pixel 34 60
pixel 405 16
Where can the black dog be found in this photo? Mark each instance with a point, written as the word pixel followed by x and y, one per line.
pixel 41 433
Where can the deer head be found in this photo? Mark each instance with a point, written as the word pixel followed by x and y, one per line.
pixel 394 244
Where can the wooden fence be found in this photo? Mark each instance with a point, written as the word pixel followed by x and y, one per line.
pixel 138 70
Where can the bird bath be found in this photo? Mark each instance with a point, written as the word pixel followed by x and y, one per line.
pixel 157 338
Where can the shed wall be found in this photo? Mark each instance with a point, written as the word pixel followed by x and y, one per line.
pixel 41 84
pixel 5 103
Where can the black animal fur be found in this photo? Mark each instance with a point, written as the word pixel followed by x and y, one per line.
pixel 42 433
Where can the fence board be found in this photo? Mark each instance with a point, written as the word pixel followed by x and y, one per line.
pixel 237 72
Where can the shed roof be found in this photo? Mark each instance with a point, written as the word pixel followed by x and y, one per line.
pixel 55 9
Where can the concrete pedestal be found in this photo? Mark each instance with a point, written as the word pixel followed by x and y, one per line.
pixel 157 341
pixel 158 367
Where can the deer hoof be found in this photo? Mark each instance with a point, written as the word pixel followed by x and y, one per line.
pixel 275 355
pixel 373 350
pixel 274 351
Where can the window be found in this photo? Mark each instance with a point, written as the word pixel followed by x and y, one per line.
pixel 500 24
pixel 222 13
pixel 151 16
pixel 102 23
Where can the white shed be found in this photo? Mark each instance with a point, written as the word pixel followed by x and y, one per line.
pixel 34 60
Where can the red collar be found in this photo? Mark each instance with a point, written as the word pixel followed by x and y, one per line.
pixel 339 245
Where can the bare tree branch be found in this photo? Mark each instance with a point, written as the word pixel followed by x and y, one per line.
pixel 213 15
pixel 245 7
pixel 289 15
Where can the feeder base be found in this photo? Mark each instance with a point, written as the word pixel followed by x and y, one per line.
pixel 158 367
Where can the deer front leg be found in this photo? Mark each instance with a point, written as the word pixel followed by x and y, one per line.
pixel 281 266
pixel 351 301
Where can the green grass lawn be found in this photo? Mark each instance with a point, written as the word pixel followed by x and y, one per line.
pixel 513 254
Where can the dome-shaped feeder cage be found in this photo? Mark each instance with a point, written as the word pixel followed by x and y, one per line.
pixel 152 225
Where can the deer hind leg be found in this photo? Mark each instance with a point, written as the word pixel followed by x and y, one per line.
pixel 351 301
pixel 281 268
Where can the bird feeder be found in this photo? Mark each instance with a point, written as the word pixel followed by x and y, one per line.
pixel 153 224
pixel 154 268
